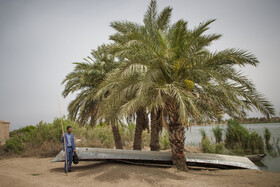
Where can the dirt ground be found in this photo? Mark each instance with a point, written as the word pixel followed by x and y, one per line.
pixel 41 172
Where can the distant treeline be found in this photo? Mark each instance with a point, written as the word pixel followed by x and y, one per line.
pixel 260 120
pixel 241 120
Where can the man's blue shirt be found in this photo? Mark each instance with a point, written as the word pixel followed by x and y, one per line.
pixel 68 138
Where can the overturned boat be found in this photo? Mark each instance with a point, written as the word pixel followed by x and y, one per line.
pixel 256 158
pixel 157 157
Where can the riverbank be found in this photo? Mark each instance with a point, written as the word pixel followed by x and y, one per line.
pixel 272 160
pixel 41 172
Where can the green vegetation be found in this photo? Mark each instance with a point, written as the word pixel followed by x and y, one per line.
pixel 164 140
pixel 209 147
pixel 203 134
pixel 267 136
pixel 40 140
pixel 15 145
pixel 219 148
pixel 272 147
pixel 43 139
pixel 238 140
pixel 255 144
pixel 218 133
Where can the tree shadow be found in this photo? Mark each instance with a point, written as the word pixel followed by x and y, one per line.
pixel 94 166
pixel 112 171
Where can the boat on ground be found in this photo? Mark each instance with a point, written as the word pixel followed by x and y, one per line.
pixel 158 157
pixel 256 158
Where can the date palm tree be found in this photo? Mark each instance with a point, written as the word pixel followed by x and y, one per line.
pixel 169 68
pixel 85 79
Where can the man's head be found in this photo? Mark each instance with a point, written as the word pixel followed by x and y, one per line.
pixel 69 129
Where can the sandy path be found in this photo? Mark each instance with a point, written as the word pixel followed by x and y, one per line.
pixel 41 172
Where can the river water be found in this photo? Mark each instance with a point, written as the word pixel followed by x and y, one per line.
pixel 272 160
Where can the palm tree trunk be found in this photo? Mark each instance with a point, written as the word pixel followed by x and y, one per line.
pixel 176 133
pixel 117 136
pixel 156 127
pixel 177 139
pixel 141 124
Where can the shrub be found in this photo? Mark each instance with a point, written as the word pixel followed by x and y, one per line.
pixel 23 130
pixel 256 143
pixel 203 134
pixel 102 136
pixel 56 128
pixel 127 133
pixel 219 148
pixel 14 145
pixel 164 140
pixel 236 135
pixel 267 136
pixel 218 133
pixel 38 136
pixel 241 141
pixel 207 146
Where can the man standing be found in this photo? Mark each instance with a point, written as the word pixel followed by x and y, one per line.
pixel 70 147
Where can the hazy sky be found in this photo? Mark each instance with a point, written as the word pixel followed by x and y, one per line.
pixel 39 41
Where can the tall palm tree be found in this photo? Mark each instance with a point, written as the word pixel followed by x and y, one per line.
pixel 141 115
pixel 170 68
pixel 85 79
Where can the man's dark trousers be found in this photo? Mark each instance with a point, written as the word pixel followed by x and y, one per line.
pixel 69 153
